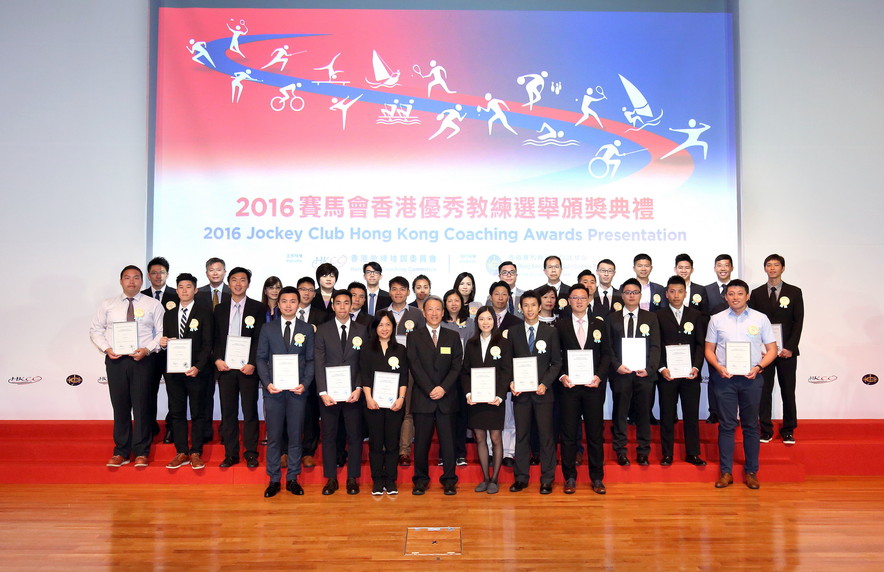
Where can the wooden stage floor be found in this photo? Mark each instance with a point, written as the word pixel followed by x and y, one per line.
pixel 821 524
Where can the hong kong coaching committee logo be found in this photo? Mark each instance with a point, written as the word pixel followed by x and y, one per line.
pixel 19 380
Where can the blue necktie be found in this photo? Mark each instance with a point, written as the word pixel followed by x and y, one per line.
pixel 531 339
pixel 371 304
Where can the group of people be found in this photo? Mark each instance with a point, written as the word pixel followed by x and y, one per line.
pixel 522 371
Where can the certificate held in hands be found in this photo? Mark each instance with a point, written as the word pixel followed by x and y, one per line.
pixel 385 389
pixel 678 360
pixel 178 354
pixel 525 374
pixel 635 353
pixel 337 382
pixel 125 338
pixel 286 373
pixel 581 368
pixel 737 357
pixel 236 354
pixel 483 384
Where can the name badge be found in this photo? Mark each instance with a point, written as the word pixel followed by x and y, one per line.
pixel 445 351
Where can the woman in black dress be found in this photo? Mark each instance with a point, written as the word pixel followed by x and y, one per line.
pixel 487 349
pixel 384 420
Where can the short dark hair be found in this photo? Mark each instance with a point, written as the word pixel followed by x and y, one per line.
pixel 499 284
pixel 306 279
pixel 676 280
pixel 576 287
pixel 240 270
pixel 776 257
pixel 131 267
pixel 631 282
pixel 421 277
pixel 290 290
pixel 542 291
pixel 529 294
pixel 158 261
pixel 358 285
pixel 326 268
pixel 373 265
pixel 684 258
pixel 337 293
pixel 215 260
pixel 585 272
pixel 727 257
pixel 642 256
pixel 506 263
pixel 606 261
pixel 550 257
pixel 399 281
pixel 737 283
pixel 186 277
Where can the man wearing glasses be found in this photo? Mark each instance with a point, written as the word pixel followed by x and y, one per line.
pixel 305 313
pixel 508 272
pixel 376 298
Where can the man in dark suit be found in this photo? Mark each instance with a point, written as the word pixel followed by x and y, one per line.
pixel 435 356
pixel 724 267
pixel 213 293
pixel 376 298
pixel 606 294
pixel 338 343
pixel 695 293
pixel 633 382
pixel 499 294
pixel 783 304
pixel 158 273
pixel 509 272
pixel 653 294
pixel 305 314
pixel 194 321
pixel 284 406
pixel 357 309
pixel 583 332
pixel 552 267
pixel 238 382
pixel 541 341
pixel 681 325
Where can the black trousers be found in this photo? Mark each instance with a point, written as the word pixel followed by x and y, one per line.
pixel 588 402
pixel 284 417
pixel 311 434
pixel 524 411
pixel 183 390
pixel 235 389
pixel 784 369
pixel 424 423
pixel 331 416
pixel 628 389
pixel 688 390
pixel 129 384
pixel 383 443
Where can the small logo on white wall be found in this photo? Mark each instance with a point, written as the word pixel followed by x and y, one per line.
pixel 822 378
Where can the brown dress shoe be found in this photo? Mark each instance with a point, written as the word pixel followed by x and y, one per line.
pixel 179 460
pixel 724 480
pixel 404 461
pixel 141 461
pixel 308 461
pixel 598 487
pixel 283 461
pixel 570 487
pixel 752 481
pixel 117 461
pixel 196 462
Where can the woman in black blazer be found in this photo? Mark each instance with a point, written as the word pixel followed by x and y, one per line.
pixel 486 349
pixel 384 420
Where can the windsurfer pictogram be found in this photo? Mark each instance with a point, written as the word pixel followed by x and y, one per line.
pixel 641 109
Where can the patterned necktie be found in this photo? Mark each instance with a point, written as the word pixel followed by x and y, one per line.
pixel 343 337
pixel 511 307
pixel 435 339
pixel 630 327
pixel 236 326
pixel 183 323
pixel 531 339
pixel 287 335
pixel 301 316
pixel 130 311
pixel 215 299
pixel 581 333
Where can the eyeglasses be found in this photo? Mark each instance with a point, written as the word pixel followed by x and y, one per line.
pixel 507 272
pixel 578 298
pixel 604 271
pixel 553 267
pixel 308 290
pixel 631 292
pixel 372 273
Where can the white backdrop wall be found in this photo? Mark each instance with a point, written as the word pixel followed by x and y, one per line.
pixel 74 185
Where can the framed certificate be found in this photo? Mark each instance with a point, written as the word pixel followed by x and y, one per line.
pixel 737 357
pixel 236 354
pixel 385 389
pixel 778 335
pixel 178 354
pixel 525 374
pixel 286 372
pixel 581 368
pixel 125 336
pixel 337 382
pixel 678 358
pixel 634 353
pixel 483 384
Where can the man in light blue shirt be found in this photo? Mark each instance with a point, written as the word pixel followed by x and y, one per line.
pixel 739 389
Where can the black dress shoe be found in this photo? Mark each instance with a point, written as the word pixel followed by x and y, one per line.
pixel 666 461
pixel 642 460
pixel 418 490
pixel 508 462
pixel 695 460
pixel 252 462
pixel 450 489
pixel 168 438
pixel 545 488
pixel 535 460
pixel 271 489
pixel 228 462
pixel 623 460
pixel 518 486
pixel 352 487
pixel 598 487
pixel 294 487
pixel 330 487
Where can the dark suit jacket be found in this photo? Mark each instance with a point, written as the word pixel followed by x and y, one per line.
pixel 271 342
pixel 169 295
pixel 598 307
pixel 673 333
pixel 614 321
pixel 714 299
pixel 601 358
pixel 658 290
pixel 473 357
pixel 433 366
pixel 382 301
pixel 204 294
pixel 561 296
pixel 372 360
pixel 330 354
pixel 549 363
pixel 252 309
pixel 202 336
pixel 363 317
pixel 791 317
pixel 413 314
pixel 509 320
pixel 703 304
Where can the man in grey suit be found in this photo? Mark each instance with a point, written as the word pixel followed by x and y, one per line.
pixel 338 343
pixel 213 293
pixel 284 407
